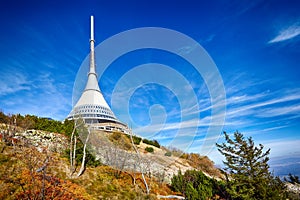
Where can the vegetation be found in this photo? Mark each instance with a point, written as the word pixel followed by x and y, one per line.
pixel 248 169
pixel 90 158
pixel 195 185
pixel 26 173
pixel 97 182
pixel 29 176
pixel 136 140
pixel 38 123
pixel 149 149
pixel 248 174
pixel 292 179
pixel 168 154
pixel 120 140
pixel 202 163
pixel 152 142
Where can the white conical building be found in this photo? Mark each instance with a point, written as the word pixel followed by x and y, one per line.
pixel 92 106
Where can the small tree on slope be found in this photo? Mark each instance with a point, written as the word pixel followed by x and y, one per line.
pixel 249 169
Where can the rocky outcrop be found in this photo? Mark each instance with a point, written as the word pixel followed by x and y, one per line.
pixel 156 164
pixel 41 139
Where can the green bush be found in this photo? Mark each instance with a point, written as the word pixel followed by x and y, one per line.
pixel 136 140
pixel 38 123
pixel 152 142
pixel 90 158
pixel 196 185
pixel 149 149
pixel 168 154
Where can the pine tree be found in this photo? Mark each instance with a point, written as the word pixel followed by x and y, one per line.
pixel 248 167
pixel 292 179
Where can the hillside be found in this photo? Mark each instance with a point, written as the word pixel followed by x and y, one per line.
pixel 34 161
pixel 35 164
pixel 162 163
pixel 26 169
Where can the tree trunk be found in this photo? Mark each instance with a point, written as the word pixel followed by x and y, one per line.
pixel 82 168
pixel 74 155
pixel 71 151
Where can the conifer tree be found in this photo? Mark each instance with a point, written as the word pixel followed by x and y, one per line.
pixel 248 169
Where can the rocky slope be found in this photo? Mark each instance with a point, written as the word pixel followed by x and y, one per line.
pixel 157 163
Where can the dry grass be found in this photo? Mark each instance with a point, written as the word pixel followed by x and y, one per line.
pixel 120 140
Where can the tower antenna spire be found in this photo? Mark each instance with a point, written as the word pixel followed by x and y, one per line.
pixel 92 48
pixel 92 27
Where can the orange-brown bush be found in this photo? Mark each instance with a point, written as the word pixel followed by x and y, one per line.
pixel 26 173
pixel 202 163
pixel 43 186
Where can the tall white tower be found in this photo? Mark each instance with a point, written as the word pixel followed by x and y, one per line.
pixel 92 106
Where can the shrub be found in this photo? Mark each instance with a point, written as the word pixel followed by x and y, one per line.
pixel 90 158
pixel 136 140
pixel 149 149
pixel 196 185
pixel 202 163
pixel 152 142
pixel 168 154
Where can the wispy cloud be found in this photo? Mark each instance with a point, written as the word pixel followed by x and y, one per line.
pixel 287 34
pixel 284 110
pixel 264 130
pixel 40 95
pixel 242 110
pixel 283 147
pixel 14 82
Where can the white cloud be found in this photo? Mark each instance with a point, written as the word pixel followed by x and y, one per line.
pixel 253 107
pixel 40 95
pixel 285 110
pixel 14 82
pixel 287 34
pixel 282 147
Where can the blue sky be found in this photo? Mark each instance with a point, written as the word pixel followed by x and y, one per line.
pixel 254 44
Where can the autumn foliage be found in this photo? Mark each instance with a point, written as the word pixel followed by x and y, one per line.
pixel 26 173
pixel 39 186
pixel 202 163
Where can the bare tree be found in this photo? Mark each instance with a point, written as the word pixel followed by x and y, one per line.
pixel 72 168
pixel 73 141
pixel 74 154
pixel 82 168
